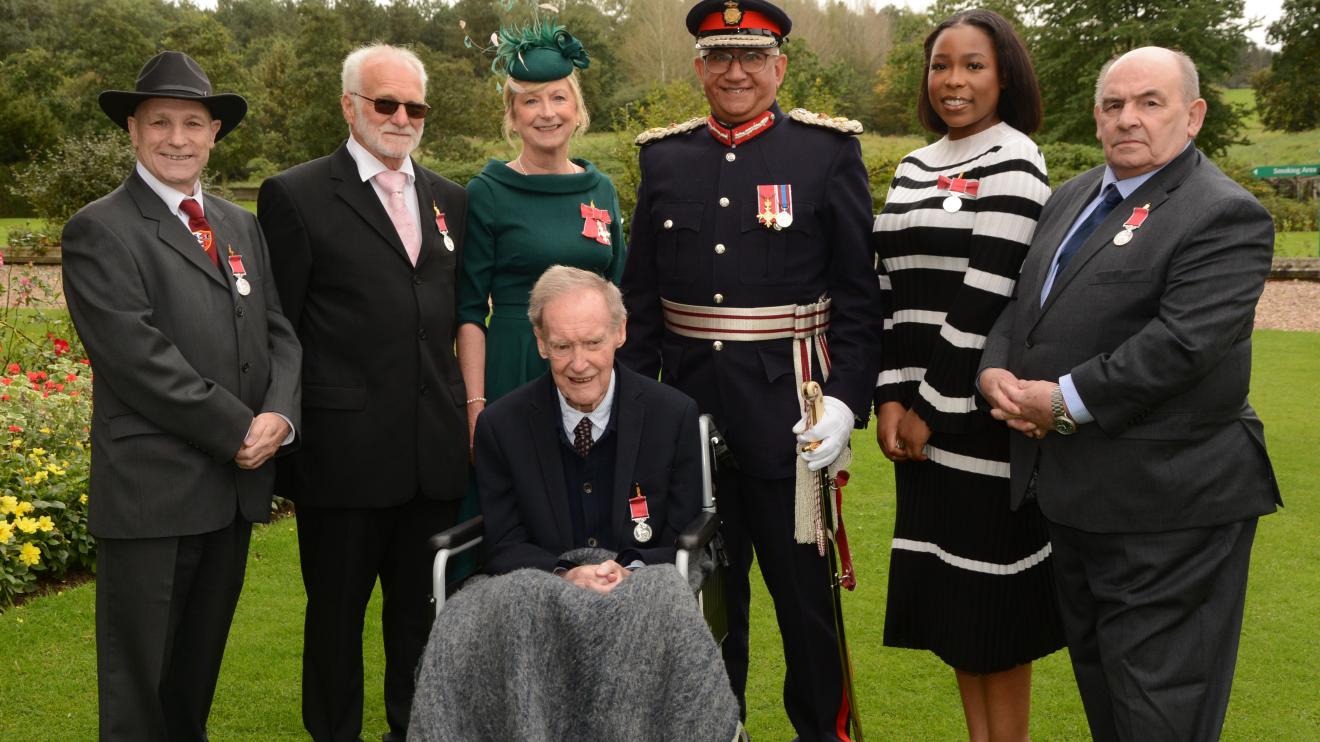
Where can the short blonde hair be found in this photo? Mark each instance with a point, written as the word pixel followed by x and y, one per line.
pixel 513 87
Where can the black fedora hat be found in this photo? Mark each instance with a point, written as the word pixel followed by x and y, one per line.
pixel 174 75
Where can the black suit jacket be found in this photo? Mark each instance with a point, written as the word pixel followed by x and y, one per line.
pixel 182 361
pixel 1157 336
pixel 383 401
pixel 521 481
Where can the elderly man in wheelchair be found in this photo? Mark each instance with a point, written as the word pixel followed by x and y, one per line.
pixel 591 484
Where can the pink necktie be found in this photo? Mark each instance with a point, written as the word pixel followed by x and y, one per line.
pixel 394 182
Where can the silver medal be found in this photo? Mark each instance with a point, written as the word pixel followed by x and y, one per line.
pixel 641 533
pixel 952 204
pixel 449 243
pixel 1122 238
pixel 241 283
pixel 783 220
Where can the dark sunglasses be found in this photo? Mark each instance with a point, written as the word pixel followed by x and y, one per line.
pixel 387 107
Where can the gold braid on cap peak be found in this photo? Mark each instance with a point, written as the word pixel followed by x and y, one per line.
pixel 837 123
pixel 660 132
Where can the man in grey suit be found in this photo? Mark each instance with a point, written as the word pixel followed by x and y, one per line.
pixel 196 388
pixel 1125 361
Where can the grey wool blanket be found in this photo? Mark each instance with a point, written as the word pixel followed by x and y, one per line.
pixel 530 657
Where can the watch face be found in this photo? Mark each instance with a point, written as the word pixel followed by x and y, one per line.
pixel 1064 426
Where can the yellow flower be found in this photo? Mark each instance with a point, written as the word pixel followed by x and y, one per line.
pixel 45 524
pixel 15 442
pixel 40 476
pixel 47 431
pixel 23 508
pixel 54 469
pixel 26 525
pixel 8 503
pixel 6 532
pixel 29 555
pixel 82 499
pixel 38 452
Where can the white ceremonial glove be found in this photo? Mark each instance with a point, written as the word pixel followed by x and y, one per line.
pixel 833 431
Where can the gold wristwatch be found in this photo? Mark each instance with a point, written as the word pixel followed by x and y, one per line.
pixel 1063 422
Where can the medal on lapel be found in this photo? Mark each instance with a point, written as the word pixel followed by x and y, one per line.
pixel 640 515
pixel 1132 224
pixel 240 273
pixel 444 229
pixel 775 206
pixel 953 203
pixel 596 224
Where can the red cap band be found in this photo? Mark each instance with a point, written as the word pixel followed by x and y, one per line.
pixel 751 19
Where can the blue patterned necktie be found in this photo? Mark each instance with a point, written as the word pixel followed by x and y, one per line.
pixel 1111 199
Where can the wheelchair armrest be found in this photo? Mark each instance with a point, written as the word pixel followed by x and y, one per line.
pixel 699 532
pixel 452 538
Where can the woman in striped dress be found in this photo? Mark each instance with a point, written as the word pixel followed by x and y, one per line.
pixel 969 579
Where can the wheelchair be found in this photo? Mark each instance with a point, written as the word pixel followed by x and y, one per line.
pixel 692 689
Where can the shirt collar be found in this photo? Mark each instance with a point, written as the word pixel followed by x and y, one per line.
pixel 1128 186
pixel 600 417
pixel 171 196
pixel 368 165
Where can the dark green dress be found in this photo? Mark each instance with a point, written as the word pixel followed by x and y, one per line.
pixel 519 225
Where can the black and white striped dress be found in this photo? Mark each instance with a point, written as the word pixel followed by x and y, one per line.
pixel 969 579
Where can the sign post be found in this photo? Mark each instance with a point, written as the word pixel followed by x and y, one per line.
pixel 1288 171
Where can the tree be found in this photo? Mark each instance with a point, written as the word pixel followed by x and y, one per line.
pixel 1072 39
pixel 1288 93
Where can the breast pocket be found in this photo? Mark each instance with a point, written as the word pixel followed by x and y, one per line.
pixel 769 256
pixel 676 225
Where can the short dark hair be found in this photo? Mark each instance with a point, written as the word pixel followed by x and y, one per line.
pixel 1019 98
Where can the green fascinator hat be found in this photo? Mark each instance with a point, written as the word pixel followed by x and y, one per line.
pixel 539 52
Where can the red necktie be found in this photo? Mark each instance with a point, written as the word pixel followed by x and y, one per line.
pixel 201 228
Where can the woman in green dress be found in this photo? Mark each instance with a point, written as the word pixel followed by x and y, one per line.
pixel 537 210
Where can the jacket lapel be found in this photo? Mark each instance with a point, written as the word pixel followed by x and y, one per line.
pixel 169 229
pixel 544 421
pixel 629 417
pixel 426 208
pixel 1154 192
pixel 361 197
pixel 1052 238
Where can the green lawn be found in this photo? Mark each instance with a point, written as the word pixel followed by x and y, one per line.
pixel 1271 147
pixel 1297 244
pixel 47 675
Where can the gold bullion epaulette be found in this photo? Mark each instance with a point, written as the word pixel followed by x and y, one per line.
pixel 837 123
pixel 660 132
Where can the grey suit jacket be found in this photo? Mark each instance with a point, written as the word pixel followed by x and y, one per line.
pixel 182 363
pixel 1157 337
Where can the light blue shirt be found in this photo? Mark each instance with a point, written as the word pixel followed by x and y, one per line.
pixel 600 417
pixel 1126 188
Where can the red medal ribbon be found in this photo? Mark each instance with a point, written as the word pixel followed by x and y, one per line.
pixel 440 222
pixel 637 505
pixel 597 221
pixel 958 185
pixel 767 204
pixel 236 264
pixel 1139 215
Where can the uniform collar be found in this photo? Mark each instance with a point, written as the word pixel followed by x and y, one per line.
pixel 732 136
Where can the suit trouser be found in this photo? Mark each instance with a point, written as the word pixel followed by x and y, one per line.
pixel 163 610
pixel 757 514
pixel 1153 621
pixel 343 551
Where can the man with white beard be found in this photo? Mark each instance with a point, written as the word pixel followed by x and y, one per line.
pixel 364 248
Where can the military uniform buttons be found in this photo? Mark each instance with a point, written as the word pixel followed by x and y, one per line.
pixel 586 488
pixel 730 156
pixel 719 345
pixel 669 224
pixel 724 201
pixel 719 298
pixel 591 542
pixel 719 249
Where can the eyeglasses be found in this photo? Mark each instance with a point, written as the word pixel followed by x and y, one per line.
pixel 387 107
pixel 717 63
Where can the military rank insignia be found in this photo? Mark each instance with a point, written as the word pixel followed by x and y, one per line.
pixel 774 206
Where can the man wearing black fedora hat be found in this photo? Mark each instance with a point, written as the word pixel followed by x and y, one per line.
pixel 196 388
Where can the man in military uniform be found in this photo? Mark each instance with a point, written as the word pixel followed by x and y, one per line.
pixel 749 271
